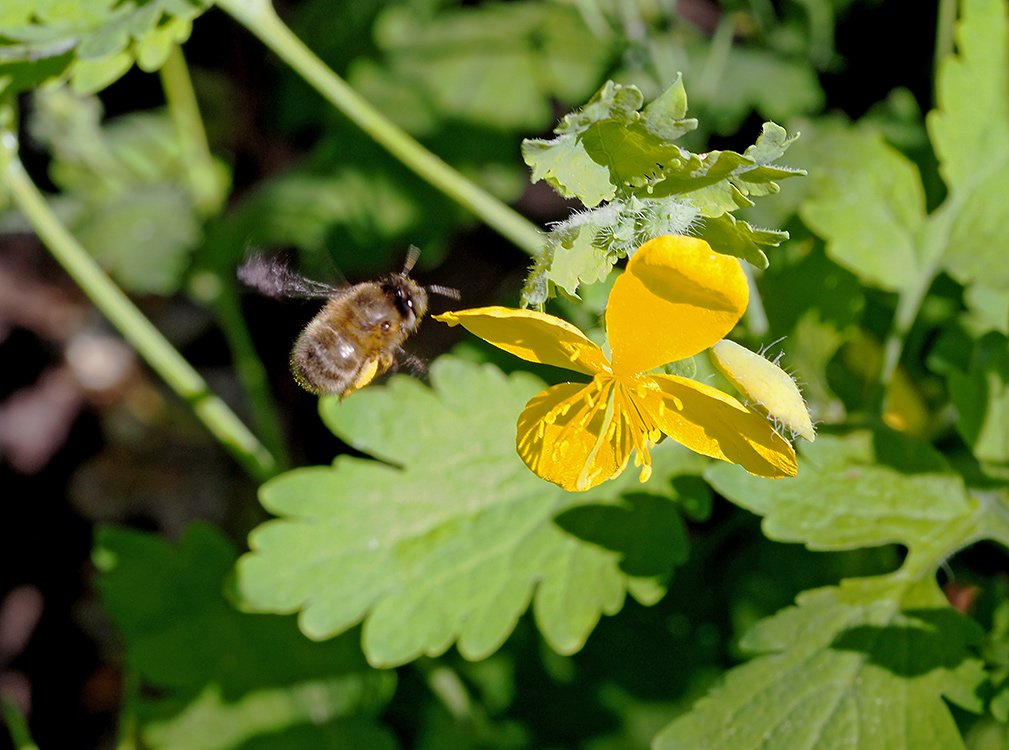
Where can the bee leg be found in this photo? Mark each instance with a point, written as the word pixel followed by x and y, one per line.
pixel 417 365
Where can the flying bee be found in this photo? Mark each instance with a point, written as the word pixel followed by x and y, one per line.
pixel 358 333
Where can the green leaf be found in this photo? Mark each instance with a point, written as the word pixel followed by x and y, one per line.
pixel 860 490
pixel 720 181
pixel 498 65
pixel 970 125
pixel 733 237
pixel 451 538
pixel 144 237
pixel 865 665
pixel 970 131
pixel 981 398
pixel 90 42
pixel 217 678
pixel 601 149
pixel 578 260
pixel 612 150
pixel 989 307
pixel 867 202
pixel 124 188
pixel 996 653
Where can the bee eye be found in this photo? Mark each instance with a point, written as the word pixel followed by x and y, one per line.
pixel 386 325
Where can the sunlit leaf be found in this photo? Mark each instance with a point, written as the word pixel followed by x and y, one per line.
pixel 452 538
pixel 859 490
pixel 613 152
pixel 970 130
pixel 990 307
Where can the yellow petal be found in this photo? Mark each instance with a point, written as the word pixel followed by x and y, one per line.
pixel 676 298
pixel 533 336
pixel 573 435
pixel 765 385
pixel 714 424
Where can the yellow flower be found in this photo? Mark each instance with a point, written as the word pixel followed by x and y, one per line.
pixel 677 298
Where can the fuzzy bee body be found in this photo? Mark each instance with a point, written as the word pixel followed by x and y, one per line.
pixel 357 334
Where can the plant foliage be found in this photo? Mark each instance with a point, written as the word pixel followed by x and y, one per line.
pixel 616 153
pixel 425 589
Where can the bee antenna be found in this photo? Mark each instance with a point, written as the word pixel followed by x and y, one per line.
pixel 411 260
pixel 444 291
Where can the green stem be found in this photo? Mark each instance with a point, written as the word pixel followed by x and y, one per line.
pixel 185 113
pixel 451 691
pixel 756 315
pixel 717 59
pixel 261 19
pixel 124 315
pixel 17 726
pixel 205 188
pixel 445 683
pixel 908 305
pixel 250 370
pixel 945 24
pixel 127 730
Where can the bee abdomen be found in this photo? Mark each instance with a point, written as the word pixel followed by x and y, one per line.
pixel 323 361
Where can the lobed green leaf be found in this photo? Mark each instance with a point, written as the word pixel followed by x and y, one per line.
pixel 866 664
pixel 863 489
pixel 970 132
pixel 606 147
pixel 125 192
pixel 452 537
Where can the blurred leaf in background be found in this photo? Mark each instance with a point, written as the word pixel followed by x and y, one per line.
pixel 123 188
pixel 213 677
pixel 90 43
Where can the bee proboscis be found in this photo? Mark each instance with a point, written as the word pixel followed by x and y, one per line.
pixel 360 330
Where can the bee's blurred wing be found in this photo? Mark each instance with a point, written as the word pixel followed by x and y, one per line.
pixel 274 278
